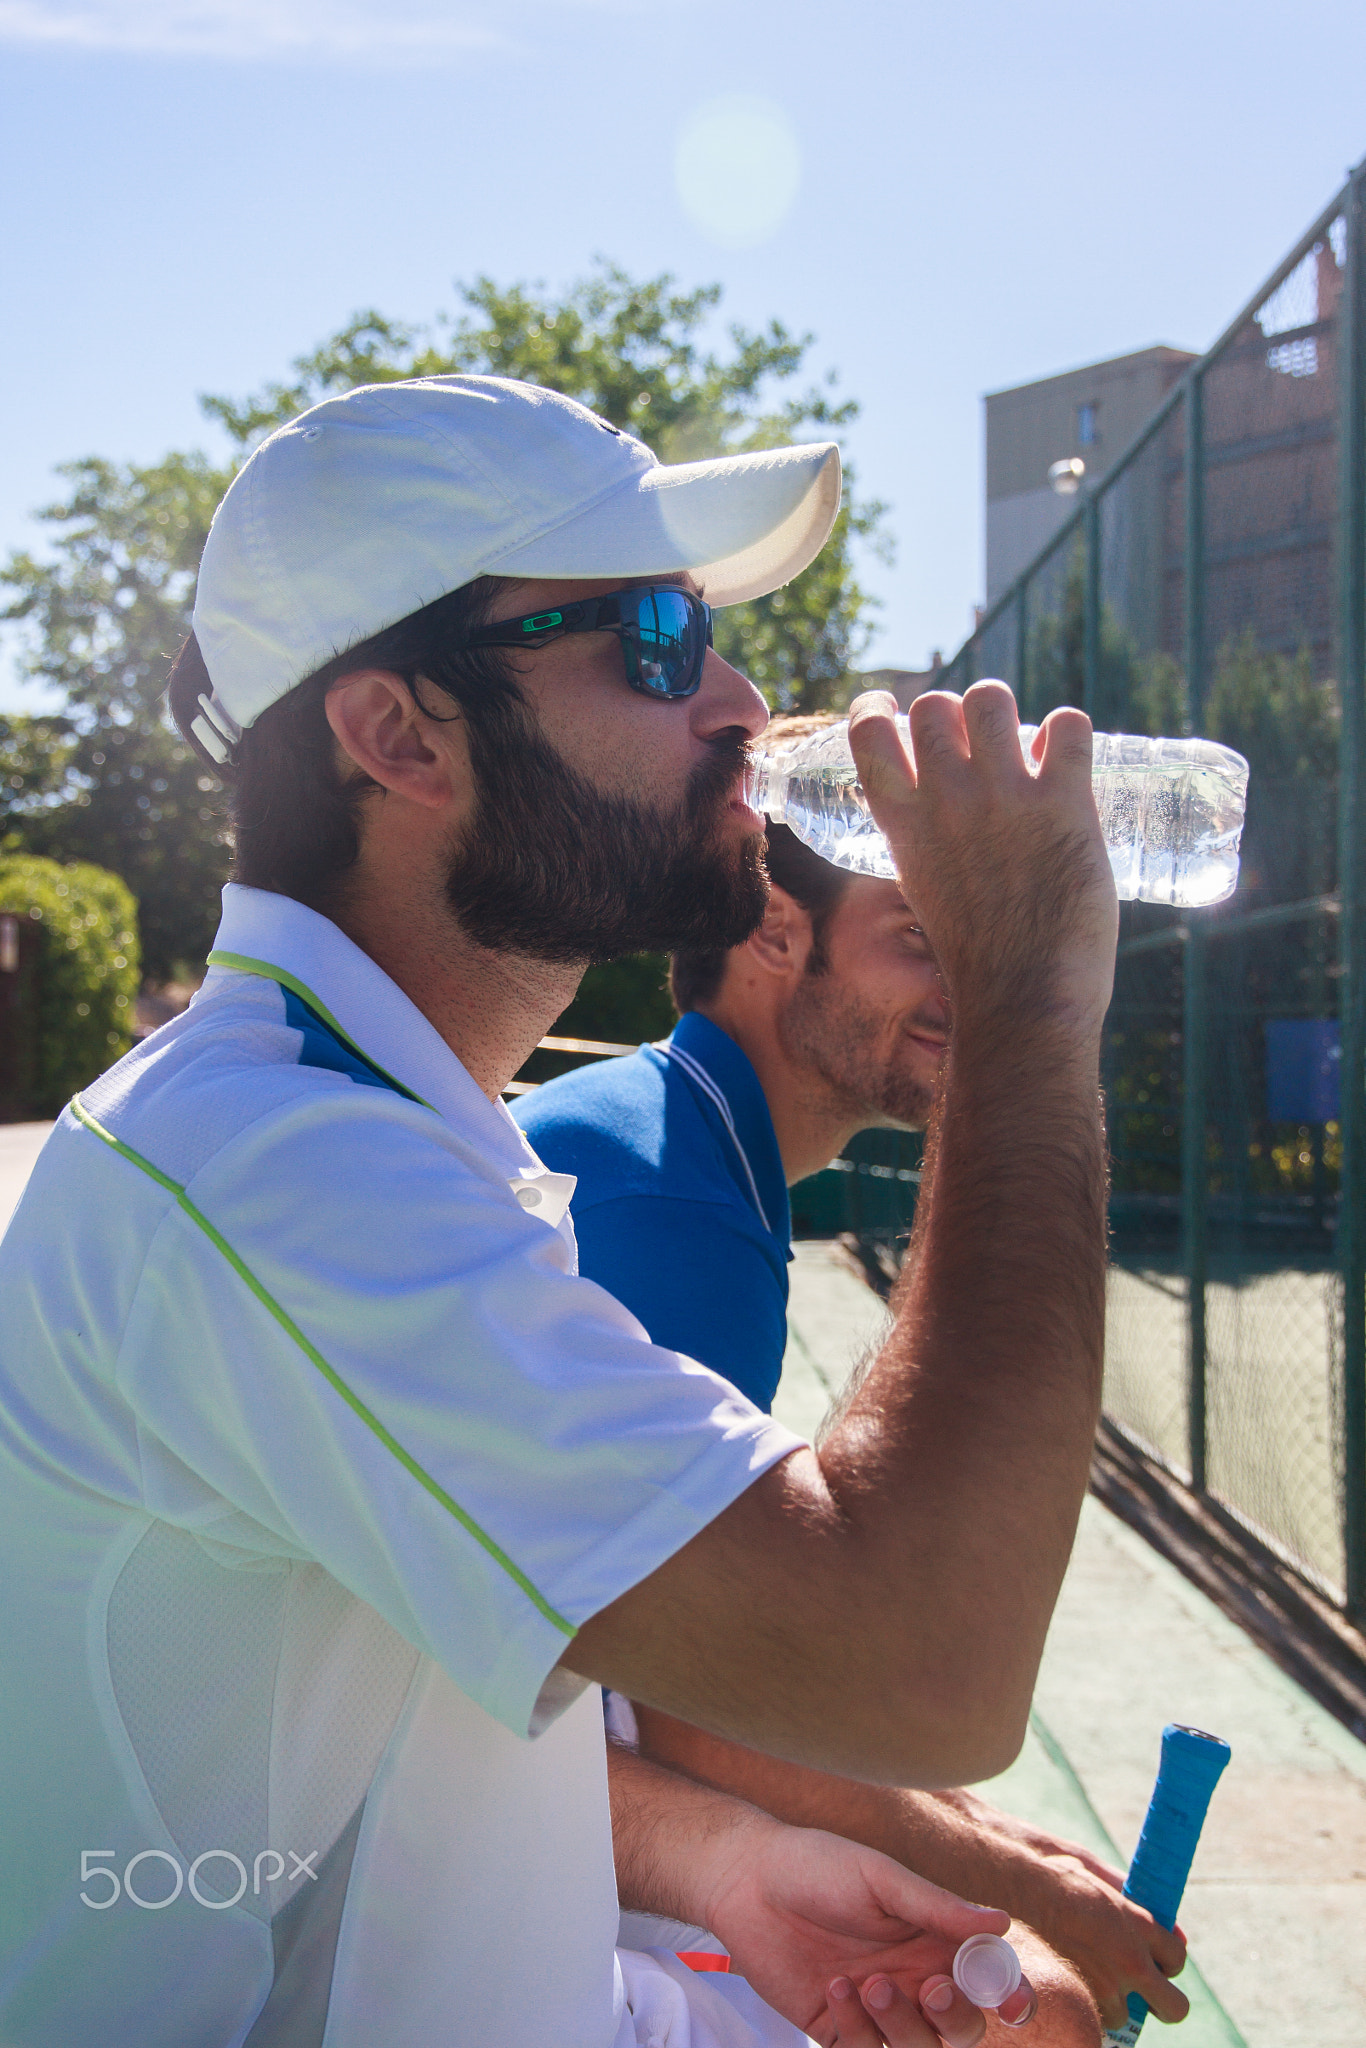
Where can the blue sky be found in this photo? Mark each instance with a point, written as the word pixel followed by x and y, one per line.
pixel 951 198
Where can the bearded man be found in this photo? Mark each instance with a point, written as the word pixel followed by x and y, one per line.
pixel 828 1020
pixel 330 1492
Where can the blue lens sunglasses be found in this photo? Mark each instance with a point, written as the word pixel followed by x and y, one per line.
pixel 664 633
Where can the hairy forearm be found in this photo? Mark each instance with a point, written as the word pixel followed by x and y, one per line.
pixel 930 1833
pixel 962 1459
pixel 669 1833
pixel 886 1817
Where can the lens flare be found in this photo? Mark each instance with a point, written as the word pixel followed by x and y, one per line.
pixel 737 168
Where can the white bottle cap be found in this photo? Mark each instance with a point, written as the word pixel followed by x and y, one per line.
pixel 986 1970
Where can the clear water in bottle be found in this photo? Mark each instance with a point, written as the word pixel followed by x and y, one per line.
pixel 1171 810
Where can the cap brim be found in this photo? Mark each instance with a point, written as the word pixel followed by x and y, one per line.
pixel 742 524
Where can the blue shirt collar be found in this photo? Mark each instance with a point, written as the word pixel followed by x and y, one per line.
pixel 730 1071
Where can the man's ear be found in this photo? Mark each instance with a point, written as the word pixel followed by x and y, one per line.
pixel 782 944
pixel 378 723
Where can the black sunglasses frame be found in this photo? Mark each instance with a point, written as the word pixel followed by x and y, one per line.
pixel 610 614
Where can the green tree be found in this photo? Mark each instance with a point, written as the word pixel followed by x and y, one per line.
pixel 79 982
pixel 1160 703
pixel 1129 689
pixel 103 613
pixel 35 762
pixel 1273 708
pixel 111 783
pixel 1286 720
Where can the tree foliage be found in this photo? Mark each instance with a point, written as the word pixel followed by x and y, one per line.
pixel 76 1001
pixel 35 762
pixel 110 782
pixel 101 614
pixel 1273 708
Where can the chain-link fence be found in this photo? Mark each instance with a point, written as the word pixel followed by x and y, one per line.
pixel 1213 579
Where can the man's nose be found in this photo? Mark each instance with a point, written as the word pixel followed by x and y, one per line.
pixel 726 699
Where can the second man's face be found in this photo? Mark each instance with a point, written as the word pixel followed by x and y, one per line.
pixel 874 1023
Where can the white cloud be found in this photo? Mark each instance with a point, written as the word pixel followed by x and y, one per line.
pixel 393 30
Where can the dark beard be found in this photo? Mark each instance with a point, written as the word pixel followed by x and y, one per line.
pixel 551 867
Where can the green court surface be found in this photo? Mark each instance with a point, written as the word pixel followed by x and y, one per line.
pixel 1276 1907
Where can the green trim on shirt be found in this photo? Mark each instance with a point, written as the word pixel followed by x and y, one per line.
pixel 241 963
pixel 310 1351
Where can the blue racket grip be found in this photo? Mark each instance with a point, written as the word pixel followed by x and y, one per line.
pixel 1191 1765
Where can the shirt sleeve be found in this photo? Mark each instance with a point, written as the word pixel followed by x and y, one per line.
pixel 699 1277
pixel 349 1328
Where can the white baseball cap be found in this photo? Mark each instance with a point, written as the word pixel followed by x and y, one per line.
pixel 372 505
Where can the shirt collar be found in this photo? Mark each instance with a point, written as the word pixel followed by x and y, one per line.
pixel 730 1071
pixel 283 941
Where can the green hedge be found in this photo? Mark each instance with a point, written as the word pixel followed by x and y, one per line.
pixel 81 983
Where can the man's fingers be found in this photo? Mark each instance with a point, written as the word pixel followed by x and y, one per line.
pixel 1163 1999
pixel 1166 2001
pixel 1021 2005
pixel 993 729
pixel 1067 749
pixel 939 733
pixel 1168 1946
pixel 885 769
pixel 853 2026
pixel 921 1903
pixel 957 2022
pixel 872 704
pixel 879 2012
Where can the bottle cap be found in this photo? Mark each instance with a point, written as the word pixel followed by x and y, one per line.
pixel 986 1970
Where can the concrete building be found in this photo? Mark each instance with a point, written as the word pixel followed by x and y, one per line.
pixel 1089 415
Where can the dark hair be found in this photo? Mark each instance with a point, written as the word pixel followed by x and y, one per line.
pixel 696 973
pixel 295 810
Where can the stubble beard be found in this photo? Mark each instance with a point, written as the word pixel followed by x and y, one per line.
pixel 830 1032
pixel 554 868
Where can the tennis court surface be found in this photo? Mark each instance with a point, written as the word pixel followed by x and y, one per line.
pixel 1276 1907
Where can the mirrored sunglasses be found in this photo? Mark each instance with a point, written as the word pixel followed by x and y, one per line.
pixel 664 633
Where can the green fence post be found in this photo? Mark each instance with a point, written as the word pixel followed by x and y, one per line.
pixel 1090 615
pixel 1352 883
pixel 1194 1026
pixel 1022 650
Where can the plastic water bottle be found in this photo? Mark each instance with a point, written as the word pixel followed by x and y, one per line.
pixel 1171 811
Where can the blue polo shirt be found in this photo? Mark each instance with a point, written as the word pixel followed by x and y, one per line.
pixel 681 1208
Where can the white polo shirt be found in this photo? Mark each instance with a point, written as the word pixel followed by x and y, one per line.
pixel 314 1452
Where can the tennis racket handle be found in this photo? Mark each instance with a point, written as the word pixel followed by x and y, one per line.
pixel 1191 1765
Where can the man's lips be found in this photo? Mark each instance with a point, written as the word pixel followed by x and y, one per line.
pixel 740 804
pixel 746 810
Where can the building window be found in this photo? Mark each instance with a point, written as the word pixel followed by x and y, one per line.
pixel 1086 426
pixel 1295 358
